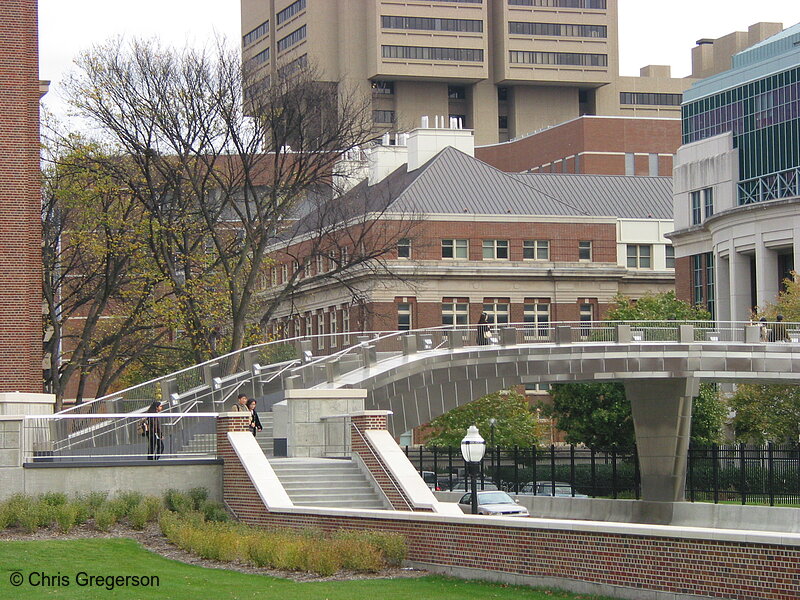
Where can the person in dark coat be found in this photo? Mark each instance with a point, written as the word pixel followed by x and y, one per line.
pixel 255 422
pixel 155 439
pixel 483 330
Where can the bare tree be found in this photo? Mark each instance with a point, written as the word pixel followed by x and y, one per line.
pixel 224 163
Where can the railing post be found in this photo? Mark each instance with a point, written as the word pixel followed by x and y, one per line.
pixel 563 334
pixel 455 339
pixel 409 344
pixel 623 334
pixel 686 334
pixel 752 334
pixel 508 336
pixel 368 355
pixel 332 370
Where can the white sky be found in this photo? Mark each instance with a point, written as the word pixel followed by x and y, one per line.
pixel 650 31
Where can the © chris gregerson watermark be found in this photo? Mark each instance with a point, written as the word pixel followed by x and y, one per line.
pixel 82 579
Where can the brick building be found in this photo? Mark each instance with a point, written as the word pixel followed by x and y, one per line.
pixel 20 229
pixel 592 145
pixel 519 247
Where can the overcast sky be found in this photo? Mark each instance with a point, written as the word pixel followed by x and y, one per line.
pixel 650 31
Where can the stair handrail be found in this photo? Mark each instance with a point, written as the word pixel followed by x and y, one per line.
pixel 389 476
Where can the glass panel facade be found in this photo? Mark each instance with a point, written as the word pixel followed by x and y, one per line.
pixel 764 118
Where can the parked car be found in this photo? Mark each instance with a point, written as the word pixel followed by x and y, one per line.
pixel 460 485
pixel 431 480
pixel 550 488
pixel 493 503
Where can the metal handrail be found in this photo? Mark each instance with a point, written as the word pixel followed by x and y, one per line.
pixel 389 476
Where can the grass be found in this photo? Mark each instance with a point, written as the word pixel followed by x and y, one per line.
pixel 181 581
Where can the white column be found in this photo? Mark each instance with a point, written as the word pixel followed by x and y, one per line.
pixel 723 289
pixel 766 275
pixel 739 286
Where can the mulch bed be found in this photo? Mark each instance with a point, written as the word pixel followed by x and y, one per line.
pixel 152 539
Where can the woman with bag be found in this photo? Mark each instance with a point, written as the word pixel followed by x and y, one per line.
pixel 155 440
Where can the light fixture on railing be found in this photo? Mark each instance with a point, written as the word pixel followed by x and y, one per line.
pixel 427 342
pixel 308 356
pixel 174 399
pixel 217 381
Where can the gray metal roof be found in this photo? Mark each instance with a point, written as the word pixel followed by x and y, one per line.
pixel 455 183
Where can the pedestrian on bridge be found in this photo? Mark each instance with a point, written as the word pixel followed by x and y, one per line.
pixel 483 330
pixel 255 422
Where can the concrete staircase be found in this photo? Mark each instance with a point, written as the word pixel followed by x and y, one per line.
pixel 265 436
pixel 326 482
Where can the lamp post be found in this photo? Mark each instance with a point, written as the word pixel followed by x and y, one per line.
pixel 473 447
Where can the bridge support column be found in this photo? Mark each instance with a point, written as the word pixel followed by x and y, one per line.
pixel 662 418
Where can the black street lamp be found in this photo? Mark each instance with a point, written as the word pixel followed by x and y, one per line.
pixel 473 447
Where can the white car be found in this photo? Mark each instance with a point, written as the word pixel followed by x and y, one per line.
pixel 493 503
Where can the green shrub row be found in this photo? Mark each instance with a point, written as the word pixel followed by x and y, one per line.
pixel 55 509
pixel 311 551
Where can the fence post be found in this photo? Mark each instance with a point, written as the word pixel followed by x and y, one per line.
pixel 534 460
pixel 572 468
pixel 742 473
pixel 715 471
pixel 553 466
pixel 450 469
pixel 516 469
pixel 614 474
pixel 690 469
pixel 771 474
pixel 594 473
pixel 435 468
pixel 637 488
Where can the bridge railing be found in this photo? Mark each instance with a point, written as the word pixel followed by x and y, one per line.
pixel 371 349
pixel 118 437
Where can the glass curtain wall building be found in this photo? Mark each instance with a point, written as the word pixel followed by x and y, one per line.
pixel 758 101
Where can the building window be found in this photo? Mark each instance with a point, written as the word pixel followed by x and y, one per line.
pixel 708 202
pixel 346 324
pixel 697 215
pixel 536 250
pixel 308 328
pixel 598 4
pixel 404 248
pixel 431 24
pixel 318 263
pixel 455 312
pixel 293 38
pixel 320 331
pixel 334 328
pixel 558 58
pixel 650 99
pixel 653 165
pixel 427 53
pixel 639 256
pixel 383 116
pixel 456 92
pixel 383 88
pixel 290 11
pixel 502 94
pixel 586 316
pixel 537 318
pixel 495 249
pixel 458 249
pixel 585 250
pixel 557 29
pixel 284 273
pixel 710 295
pixel 301 62
pixel 697 279
pixel 670 254
pixel 262 57
pixel 537 388
pixel 630 164
pixel 256 34
pixel 403 316
pixel 273 276
pixel 496 311
pixel 502 122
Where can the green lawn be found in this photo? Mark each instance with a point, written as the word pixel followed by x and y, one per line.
pixel 66 558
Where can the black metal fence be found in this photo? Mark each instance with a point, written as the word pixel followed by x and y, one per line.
pixel 745 474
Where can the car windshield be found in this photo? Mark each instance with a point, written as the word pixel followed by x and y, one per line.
pixel 495 498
